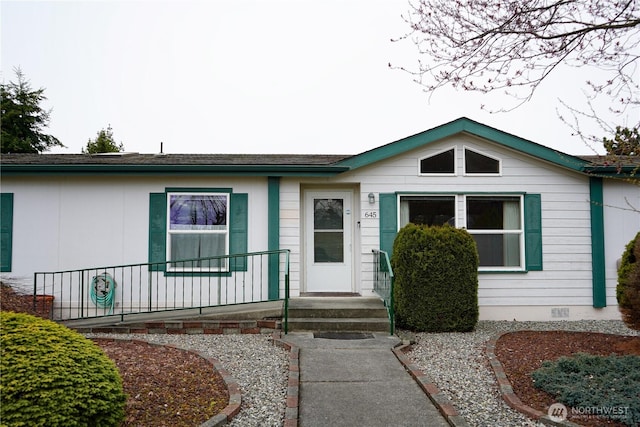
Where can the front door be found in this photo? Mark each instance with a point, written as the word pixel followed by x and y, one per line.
pixel 328 241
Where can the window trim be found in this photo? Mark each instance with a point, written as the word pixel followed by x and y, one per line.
pixel 226 232
pixel 461 222
pixel 520 231
pixel 452 195
pixel 238 239
pixel 482 153
pixel 455 163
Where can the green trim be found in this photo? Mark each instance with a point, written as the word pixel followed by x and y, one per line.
pixel 533 232
pixel 238 230
pixel 388 221
pixel 158 230
pixel 597 242
pixel 460 193
pixel 464 125
pixel 197 190
pixel 273 231
pixel 502 271
pixel 6 231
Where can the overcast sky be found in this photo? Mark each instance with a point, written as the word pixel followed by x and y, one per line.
pixel 247 76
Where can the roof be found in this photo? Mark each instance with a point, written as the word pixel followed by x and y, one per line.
pixel 171 159
pixel 256 164
pixel 297 164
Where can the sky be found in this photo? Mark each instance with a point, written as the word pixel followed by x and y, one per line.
pixel 248 76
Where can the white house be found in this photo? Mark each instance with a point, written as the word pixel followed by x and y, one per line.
pixel 549 226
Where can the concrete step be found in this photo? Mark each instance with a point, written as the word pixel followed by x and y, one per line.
pixel 353 314
pixel 338 313
pixel 342 325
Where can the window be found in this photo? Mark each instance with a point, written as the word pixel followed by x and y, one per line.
pixel 328 230
pixel 477 163
pixel 441 163
pixel 495 222
pixel 198 223
pixel 428 210
pixel 197 228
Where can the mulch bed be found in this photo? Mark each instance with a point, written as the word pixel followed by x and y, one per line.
pixel 523 352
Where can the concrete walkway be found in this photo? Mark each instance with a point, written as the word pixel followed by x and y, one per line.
pixel 358 382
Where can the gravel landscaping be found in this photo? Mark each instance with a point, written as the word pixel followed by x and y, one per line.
pixel 457 364
pixel 258 366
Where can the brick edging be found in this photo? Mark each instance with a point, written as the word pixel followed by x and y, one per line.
pixel 187 327
pixel 506 390
pixel 293 382
pixel 427 385
pixel 235 397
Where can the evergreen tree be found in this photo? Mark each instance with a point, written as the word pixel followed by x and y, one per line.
pixel 104 143
pixel 626 142
pixel 23 119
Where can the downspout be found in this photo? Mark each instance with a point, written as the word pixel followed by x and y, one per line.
pixel 597 242
pixel 273 235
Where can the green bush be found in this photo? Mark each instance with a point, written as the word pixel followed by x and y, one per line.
pixel 53 376
pixel 628 288
pixel 602 383
pixel 436 279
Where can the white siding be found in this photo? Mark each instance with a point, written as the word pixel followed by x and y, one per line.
pixel 622 223
pixel 566 279
pixel 63 223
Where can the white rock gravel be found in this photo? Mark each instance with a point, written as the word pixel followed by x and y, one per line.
pixel 457 364
pixel 259 367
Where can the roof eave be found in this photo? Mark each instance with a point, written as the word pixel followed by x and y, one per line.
pixel 465 125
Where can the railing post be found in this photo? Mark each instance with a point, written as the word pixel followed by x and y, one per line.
pixel 286 294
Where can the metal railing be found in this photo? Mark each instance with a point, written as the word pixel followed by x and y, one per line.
pixel 162 286
pixel 383 283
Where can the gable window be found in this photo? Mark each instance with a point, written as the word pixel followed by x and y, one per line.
pixel 442 163
pixel 427 210
pixel 495 222
pixel 198 227
pixel 481 164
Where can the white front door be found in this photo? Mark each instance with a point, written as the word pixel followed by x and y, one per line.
pixel 328 241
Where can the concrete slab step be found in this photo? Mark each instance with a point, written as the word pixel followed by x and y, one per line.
pixel 335 313
pixel 331 324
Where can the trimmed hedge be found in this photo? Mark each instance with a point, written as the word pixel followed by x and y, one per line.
pixel 628 288
pixel 436 279
pixel 608 385
pixel 53 376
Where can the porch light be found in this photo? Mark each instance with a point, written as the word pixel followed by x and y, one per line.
pixel 372 198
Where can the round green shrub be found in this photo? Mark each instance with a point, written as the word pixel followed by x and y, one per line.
pixel 436 279
pixel 53 376
pixel 627 265
pixel 628 288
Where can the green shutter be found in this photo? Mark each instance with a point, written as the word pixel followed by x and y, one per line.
pixel 238 230
pixel 599 279
pixel 388 221
pixel 158 230
pixel 533 231
pixel 273 227
pixel 6 230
